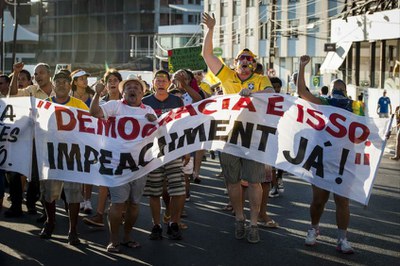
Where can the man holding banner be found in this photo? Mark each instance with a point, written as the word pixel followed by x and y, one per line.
pixel 321 196
pixel 51 189
pixel 240 80
pixel 126 196
pixel 41 90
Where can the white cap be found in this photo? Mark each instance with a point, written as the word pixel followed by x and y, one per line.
pixel 80 74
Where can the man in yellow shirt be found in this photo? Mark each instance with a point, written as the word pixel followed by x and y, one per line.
pixel 244 81
pixel 51 189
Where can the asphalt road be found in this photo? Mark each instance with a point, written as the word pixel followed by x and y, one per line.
pixel 374 232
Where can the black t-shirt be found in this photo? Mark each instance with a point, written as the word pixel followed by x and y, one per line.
pixel 161 107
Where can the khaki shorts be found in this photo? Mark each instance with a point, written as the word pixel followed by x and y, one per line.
pixel 131 191
pixel 50 190
pixel 236 168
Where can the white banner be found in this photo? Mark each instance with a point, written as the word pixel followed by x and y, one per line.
pixel 16 133
pixel 329 147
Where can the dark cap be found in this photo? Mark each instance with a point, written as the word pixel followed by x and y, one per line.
pixel 63 74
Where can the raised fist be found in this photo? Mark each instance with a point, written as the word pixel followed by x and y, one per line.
pixel 304 59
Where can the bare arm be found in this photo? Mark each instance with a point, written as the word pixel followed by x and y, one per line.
pixel 95 109
pixel 180 82
pixel 213 63
pixel 301 84
pixel 17 67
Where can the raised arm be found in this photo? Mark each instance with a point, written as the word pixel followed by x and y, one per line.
pixel 301 84
pixel 95 109
pixel 17 67
pixel 213 63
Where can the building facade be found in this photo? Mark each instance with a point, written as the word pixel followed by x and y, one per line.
pixel 117 33
pixel 280 31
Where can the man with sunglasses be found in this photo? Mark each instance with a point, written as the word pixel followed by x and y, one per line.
pixel 244 81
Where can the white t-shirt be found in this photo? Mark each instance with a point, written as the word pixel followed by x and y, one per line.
pixel 115 108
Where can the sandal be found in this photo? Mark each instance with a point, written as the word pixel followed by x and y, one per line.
pixel 113 248
pixel 131 244
pixel 183 226
pixel 166 218
pixel 270 224
pixel 228 208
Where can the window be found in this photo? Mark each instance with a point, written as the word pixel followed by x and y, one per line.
pixel 224 9
pixel 311 24
pixel 236 8
pixel 211 7
pixel 250 32
pixel 221 35
pixel 263 31
pixel 293 28
pixel 249 3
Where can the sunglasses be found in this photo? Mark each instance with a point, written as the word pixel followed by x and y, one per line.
pixel 247 57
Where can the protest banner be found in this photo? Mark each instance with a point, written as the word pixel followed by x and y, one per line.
pixel 185 58
pixel 326 146
pixel 16 134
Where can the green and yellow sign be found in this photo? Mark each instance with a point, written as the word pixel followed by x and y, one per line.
pixel 188 58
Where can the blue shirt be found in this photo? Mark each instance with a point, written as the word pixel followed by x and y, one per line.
pixel 383 103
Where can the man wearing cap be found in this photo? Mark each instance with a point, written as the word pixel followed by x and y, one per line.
pixel 41 90
pixel 171 172
pixel 51 189
pixel 383 106
pixel 126 196
pixel 240 80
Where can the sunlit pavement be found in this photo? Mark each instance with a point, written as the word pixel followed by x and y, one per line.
pixel 209 240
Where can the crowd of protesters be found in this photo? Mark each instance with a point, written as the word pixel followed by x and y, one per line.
pixel 168 185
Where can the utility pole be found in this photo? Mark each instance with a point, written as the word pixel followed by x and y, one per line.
pixel 16 6
pixel 2 37
pixel 272 34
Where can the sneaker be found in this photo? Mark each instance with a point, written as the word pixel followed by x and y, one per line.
pixel 281 188
pixel 344 247
pixel 156 232
pixel 96 220
pixel 82 205
pixel 212 154
pixel 88 207
pixel 73 239
pixel 240 229
pixel 311 238
pixel 253 236
pixel 187 197
pixel 274 193
pixel 174 232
